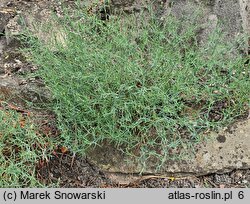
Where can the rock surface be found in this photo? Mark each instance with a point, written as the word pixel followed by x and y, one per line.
pixel 225 151
pixel 7 88
pixel 13 90
pixel 245 15
pixel 5 16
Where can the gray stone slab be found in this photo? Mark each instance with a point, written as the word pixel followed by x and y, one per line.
pixel 228 12
pixel 7 87
pixel 245 15
pixel 225 151
pixel 3 21
pixel 5 16
pixel 14 90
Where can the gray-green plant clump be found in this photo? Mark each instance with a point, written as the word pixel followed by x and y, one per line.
pixel 139 83
pixel 21 148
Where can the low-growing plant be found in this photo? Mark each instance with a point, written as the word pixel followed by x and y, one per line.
pixel 21 149
pixel 142 84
